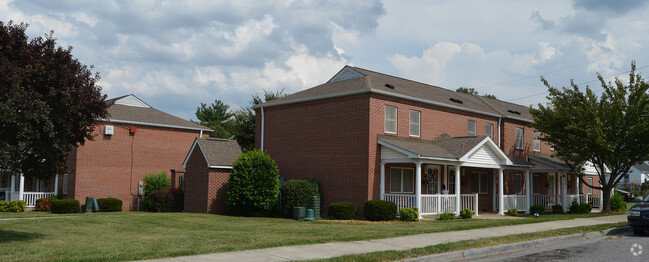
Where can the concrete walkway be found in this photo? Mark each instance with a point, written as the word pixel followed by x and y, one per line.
pixel 328 250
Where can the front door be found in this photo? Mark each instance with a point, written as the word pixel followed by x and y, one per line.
pixel 551 183
pixel 451 181
pixel 433 179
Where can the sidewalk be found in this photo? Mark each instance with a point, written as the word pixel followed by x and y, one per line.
pixel 319 251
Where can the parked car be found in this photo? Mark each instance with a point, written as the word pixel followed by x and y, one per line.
pixel 639 217
pixel 628 196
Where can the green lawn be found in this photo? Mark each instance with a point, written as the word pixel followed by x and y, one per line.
pixel 139 235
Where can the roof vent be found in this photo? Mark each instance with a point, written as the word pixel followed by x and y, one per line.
pixel 514 112
pixel 455 100
pixel 389 86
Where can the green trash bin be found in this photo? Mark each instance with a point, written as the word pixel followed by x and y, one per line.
pixel 299 213
pixel 309 215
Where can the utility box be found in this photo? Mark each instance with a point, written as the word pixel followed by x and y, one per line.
pixel 314 203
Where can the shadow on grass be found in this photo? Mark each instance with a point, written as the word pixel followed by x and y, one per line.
pixel 11 236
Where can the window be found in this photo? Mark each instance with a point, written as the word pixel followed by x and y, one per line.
pixel 518 183
pixel 402 180
pixel 471 128
pixel 590 182
pixel 415 119
pixel 390 119
pixel 489 131
pixel 451 181
pixel 432 173
pixel 537 184
pixel 519 138
pixel 537 141
pixel 479 183
pixel 551 146
pixel 64 189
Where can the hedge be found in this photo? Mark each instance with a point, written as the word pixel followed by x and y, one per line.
pixel 537 209
pixel 169 200
pixel 65 206
pixel 409 214
pixel 466 213
pixel 299 191
pixel 341 211
pixel 109 204
pixel 253 187
pixel 154 182
pixel 42 204
pixel 380 210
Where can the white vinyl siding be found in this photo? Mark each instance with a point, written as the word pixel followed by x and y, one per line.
pixel 415 120
pixel 489 131
pixel 537 141
pixel 479 183
pixel 402 180
pixel 471 128
pixel 390 119
pixel 519 138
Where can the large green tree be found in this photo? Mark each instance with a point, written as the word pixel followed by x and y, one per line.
pixel 48 102
pixel 244 123
pixel 611 131
pixel 217 117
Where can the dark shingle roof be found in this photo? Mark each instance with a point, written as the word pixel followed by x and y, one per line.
pixel 546 163
pixel 643 167
pixel 218 152
pixel 444 147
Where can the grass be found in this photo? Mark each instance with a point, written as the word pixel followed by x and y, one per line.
pixel 139 235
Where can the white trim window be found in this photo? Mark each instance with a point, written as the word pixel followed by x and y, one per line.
pixel 390 119
pixel 537 141
pixel 415 120
pixel 64 188
pixel 471 128
pixel 590 182
pixel 402 180
pixel 480 183
pixel 489 130
pixel 520 133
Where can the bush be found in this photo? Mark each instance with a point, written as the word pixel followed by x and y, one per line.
pixel 17 206
pixel 512 212
pixel 154 182
pixel 42 204
pixel 409 214
pixel 446 216
pixel 537 209
pixel 617 203
pixel 466 213
pixel 583 208
pixel 380 210
pixel 253 188
pixel 109 204
pixel 341 211
pixel 4 206
pixel 557 209
pixel 169 200
pixel 299 191
pixel 65 206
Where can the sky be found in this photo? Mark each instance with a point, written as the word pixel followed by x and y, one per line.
pixel 176 54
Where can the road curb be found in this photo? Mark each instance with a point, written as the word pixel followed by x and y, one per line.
pixel 521 246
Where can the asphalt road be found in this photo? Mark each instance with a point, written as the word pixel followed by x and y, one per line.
pixel 626 247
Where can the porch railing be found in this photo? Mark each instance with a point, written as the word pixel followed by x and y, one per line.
pixel 435 204
pixel 28 197
pixel 518 202
pixel 593 200
pixel 547 201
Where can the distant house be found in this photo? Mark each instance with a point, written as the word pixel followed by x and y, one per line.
pixel 207 171
pixel 134 141
pixel 637 175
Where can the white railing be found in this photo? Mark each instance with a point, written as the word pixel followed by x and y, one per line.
pixel 547 201
pixel 518 202
pixel 593 200
pixel 30 197
pixel 435 204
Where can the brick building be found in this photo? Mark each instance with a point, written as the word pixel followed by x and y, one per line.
pixel 366 135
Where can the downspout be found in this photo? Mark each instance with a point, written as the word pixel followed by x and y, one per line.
pixel 499 129
pixel 201 134
pixel 262 128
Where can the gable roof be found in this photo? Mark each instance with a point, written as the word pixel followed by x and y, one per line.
pixel 129 109
pixel 354 80
pixel 218 153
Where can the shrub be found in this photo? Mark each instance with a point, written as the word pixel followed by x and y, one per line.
pixel 4 206
pixel 109 204
pixel 299 191
pixel 446 216
pixel 253 188
pixel 617 203
pixel 537 209
pixel 341 211
pixel 42 204
pixel 512 212
pixel 557 209
pixel 583 208
pixel 409 214
pixel 169 200
pixel 154 182
pixel 380 210
pixel 65 206
pixel 17 206
pixel 466 213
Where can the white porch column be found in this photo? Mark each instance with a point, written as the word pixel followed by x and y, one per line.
pixel 21 189
pixel 418 187
pixel 13 187
pixel 564 191
pixel 458 199
pixel 528 190
pixel 501 191
pixel 577 187
pixel 382 180
pixel 56 184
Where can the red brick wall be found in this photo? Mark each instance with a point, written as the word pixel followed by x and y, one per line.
pixel 113 165
pixel 508 140
pixel 217 191
pixel 196 181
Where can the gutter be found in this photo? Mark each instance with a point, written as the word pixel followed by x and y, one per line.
pixel 153 125
pixel 262 128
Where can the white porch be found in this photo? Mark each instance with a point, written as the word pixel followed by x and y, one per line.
pixel 16 187
pixel 435 203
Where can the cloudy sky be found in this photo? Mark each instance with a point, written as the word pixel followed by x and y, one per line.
pixel 178 54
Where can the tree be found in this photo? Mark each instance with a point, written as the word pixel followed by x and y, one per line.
pixel 253 187
pixel 465 90
pixel 217 117
pixel 609 131
pixel 244 123
pixel 490 96
pixel 49 102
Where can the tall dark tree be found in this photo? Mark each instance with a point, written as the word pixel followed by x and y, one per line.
pixel 465 90
pixel 215 116
pixel 244 124
pixel 610 131
pixel 48 102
